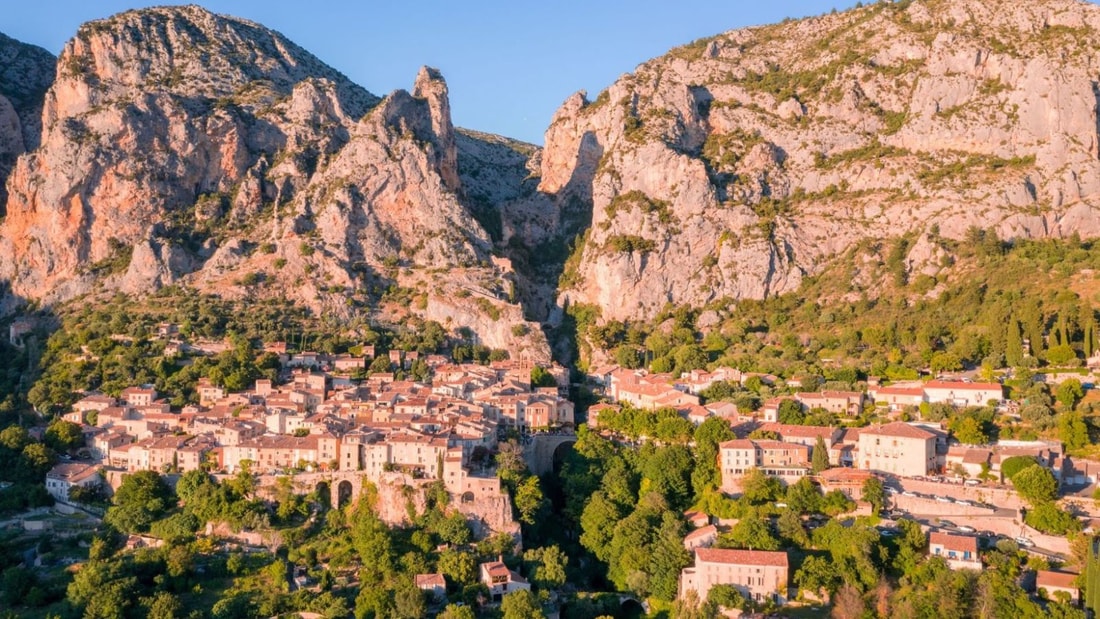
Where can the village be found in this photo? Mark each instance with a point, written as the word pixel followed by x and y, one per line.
pixel 927 475
pixel 329 420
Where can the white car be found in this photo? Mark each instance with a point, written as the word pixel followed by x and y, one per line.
pixel 943 499
pixel 965 529
pixel 890 490
pixel 972 482
pixel 964 502
pixel 1025 542
pixel 909 494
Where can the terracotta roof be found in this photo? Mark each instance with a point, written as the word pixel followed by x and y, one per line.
pixel 961 386
pixel 958 543
pixel 899 429
pixel 914 391
pixel 840 473
pixel 430 580
pixel 741 557
pixel 795 430
pixel 1059 580
pixel 701 532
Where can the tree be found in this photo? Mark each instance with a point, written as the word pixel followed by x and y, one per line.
pixel 142 498
pixel 836 502
pixel 803 497
pixel 820 458
pixel 751 531
pixel 599 523
pixel 817 575
pixel 162 605
pixel 757 487
pixel 790 412
pixel 1036 485
pixel 1072 430
pixel 64 436
pixel 547 566
pixel 541 378
pixel 1069 393
pixel 1014 344
pixel 712 432
pixel 968 430
pixel 529 499
pixel 874 492
pixel 453 611
pixel 1011 466
pixel 408 601
pixel 1051 519
pixel 521 604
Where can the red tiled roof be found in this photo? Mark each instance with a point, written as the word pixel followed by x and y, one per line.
pixel 958 543
pixel 1060 580
pixel 430 580
pixel 710 529
pixel 899 429
pixel 742 557
pixel 961 386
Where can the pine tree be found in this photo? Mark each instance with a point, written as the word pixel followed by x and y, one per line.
pixel 1014 344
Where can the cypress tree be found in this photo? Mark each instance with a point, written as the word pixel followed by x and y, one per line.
pixel 1014 344
pixel 820 457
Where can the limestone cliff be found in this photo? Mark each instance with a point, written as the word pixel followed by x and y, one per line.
pixel 26 72
pixel 181 146
pixel 735 166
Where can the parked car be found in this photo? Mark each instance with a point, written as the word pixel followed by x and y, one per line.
pixel 947 524
pixel 1025 542
pixel 973 482
pixel 964 502
pixel 890 490
pixel 965 529
pixel 944 499
pixel 909 494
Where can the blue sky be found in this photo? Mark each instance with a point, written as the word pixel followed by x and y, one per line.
pixel 509 64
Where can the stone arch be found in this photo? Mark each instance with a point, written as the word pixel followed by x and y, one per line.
pixel 561 452
pixel 631 607
pixel 468 497
pixel 345 491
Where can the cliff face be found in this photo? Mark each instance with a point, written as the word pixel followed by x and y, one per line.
pixel 152 113
pixel 735 166
pixel 26 72
pixel 182 146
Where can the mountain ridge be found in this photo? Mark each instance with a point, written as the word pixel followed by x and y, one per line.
pixel 731 168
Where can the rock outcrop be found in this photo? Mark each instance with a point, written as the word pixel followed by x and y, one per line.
pixel 26 72
pixel 735 166
pixel 182 146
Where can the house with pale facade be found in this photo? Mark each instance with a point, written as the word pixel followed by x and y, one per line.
pixel 843 403
pixel 759 575
pixel 962 393
pixel 68 475
pixel 960 551
pixel 788 461
pixel 500 580
pixel 1058 585
pixel 898 448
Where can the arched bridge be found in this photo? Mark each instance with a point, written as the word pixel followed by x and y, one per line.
pixel 545 451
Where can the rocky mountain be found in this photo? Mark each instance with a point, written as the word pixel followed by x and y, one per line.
pixel 173 145
pixel 26 72
pixel 180 146
pixel 735 166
